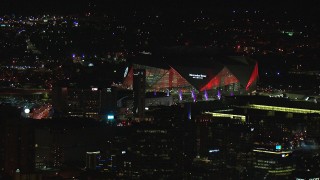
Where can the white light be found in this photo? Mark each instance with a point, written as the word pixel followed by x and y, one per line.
pixel 90 65
pixel 146 53
pixel 214 150
pixel 95 152
pixel 126 72
pixel 146 108
pixel 27 111
pixel 110 117
pixel 123 152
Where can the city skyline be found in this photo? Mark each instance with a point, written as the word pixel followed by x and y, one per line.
pixel 222 89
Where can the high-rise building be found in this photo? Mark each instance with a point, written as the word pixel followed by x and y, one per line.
pixel 92 160
pixel 154 152
pixel 139 91
pixel 273 163
pixel 17 142
pixel 84 102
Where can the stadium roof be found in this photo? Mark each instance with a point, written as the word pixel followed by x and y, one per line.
pixel 203 68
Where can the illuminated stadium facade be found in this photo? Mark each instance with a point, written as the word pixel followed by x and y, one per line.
pixel 209 79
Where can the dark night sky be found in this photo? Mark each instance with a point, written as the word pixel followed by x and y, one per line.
pixel 79 6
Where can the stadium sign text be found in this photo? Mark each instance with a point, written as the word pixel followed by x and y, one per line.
pixel 197 76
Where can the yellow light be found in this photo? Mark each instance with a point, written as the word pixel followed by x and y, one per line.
pixel 281 109
pixel 281 171
pixel 272 152
pixel 232 116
